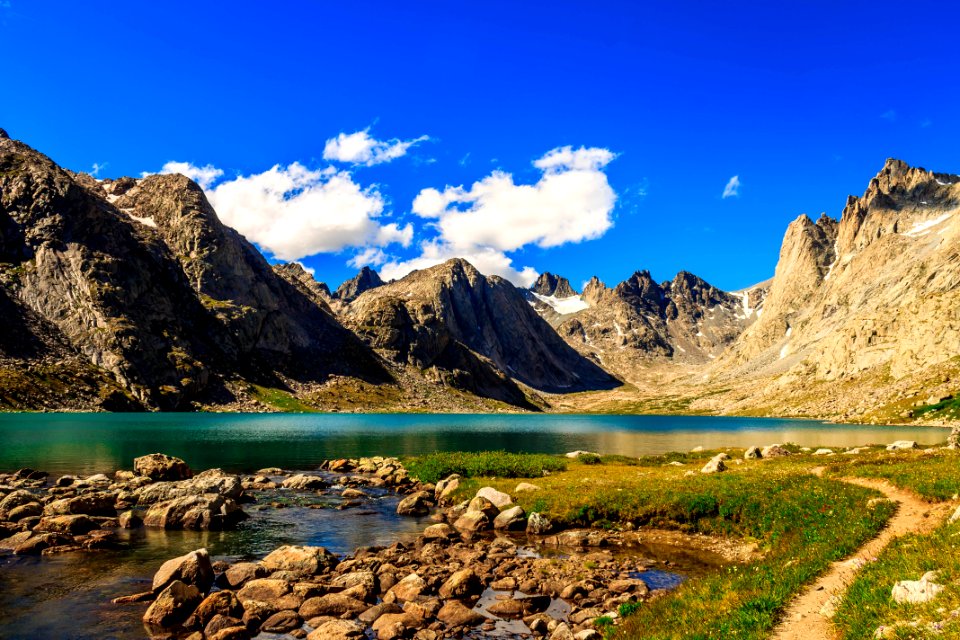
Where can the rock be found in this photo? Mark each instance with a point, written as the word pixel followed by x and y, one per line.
pixel 221 624
pixel 953 440
pixel 15 499
pixel 130 520
pixel 440 531
pixel 301 560
pixel 207 512
pixel 507 608
pixel 263 590
pixel 585 615
pixel 916 591
pixel 715 465
pixel 955 517
pixel 337 630
pixel 91 504
pixel 473 521
pixel 193 568
pixel 242 572
pixel 499 499
pixel 211 481
pixel 455 614
pixel 370 615
pixel 332 604
pixel 416 504
pixel 562 632
pixel 223 603
pixel 281 622
pixel 238 632
pixel 72 525
pixel 576 454
pixel 173 605
pixel 28 510
pixel 902 445
pixel 303 482
pixel 512 518
pixel 353 494
pixel 753 453
pixel 525 486
pixel 587 634
pixel 774 451
pixel 446 487
pixel 159 466
pixel 539 524
pixel 823 452
pixel 410 588
pixel 461 584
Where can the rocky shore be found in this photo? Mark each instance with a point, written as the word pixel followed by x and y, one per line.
pixel 484 568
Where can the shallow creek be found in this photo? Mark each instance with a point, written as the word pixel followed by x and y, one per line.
pixel 69 595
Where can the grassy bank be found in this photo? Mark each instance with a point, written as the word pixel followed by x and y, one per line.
pixel 800 522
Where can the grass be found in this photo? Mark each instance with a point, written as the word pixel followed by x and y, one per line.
pixel 934 475
pixel 500 464
pixel 868 605
pixel 280 400
pixel 801 523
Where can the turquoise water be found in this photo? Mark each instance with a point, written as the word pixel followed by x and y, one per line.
pixel 92 443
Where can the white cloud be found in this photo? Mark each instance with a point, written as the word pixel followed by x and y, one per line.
pixel 204 176
pixel 97 168
pixel 361 148
pixel 309 270
pixel 732 190
pixel 293 212
pixel 369 257
pixel 571 202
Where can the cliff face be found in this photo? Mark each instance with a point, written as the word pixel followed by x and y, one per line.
pixel 453 313
pixel 142 280
pixel 874 296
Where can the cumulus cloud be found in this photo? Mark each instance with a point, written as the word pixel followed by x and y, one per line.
pixel 97 168
pixel 361 148
pixel 204 176
pixel 732 190
pixel 571 202
pixel 293 212
pixel 369 257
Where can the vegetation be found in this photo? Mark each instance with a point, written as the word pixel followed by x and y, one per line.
pixel 934 474
pixel 868 606
pixel 280 400
pixel 800 523
pixel 498 464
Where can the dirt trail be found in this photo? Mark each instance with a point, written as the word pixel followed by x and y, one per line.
pixel 803 619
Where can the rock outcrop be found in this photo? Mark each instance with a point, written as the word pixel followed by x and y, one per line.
pixel 365 280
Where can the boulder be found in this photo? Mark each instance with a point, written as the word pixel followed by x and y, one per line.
pixel 29 510
pixel 916 591
pixel 332 604
pixel 410 588
pixel 337 630
pixel 440 531
pixel 205 512
pixel 715 465
pixel 753 453
pixel 539 524
pixel 498 498
pixel 226 627
pixel 265 590
pixel 455 614
pixel 130 520
pixel 193 568
pixel 173 605
pixel 70 525
pixel 211 481
pixel 774 451
pixel 159 466
pixel 506 608
pixel 300 560
pixel 392 626
pixel 446 487
pixel 955 516
pixel 416 504
pixel 91 504
pixel 461 584
pixel 242 572
pixel 281 622
pixel 473 521
pixel 823 452
pixel 562 632
pixel 16 499
pixel 224 603
pixel 902 445
pixel 512 518
pixel 525 486
pixel 303 482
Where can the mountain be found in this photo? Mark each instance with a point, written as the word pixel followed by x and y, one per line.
pixel 862 319
pixel 551 285
pixel 478 329
pixel 141 279
pixel 365 280
pixel 296 275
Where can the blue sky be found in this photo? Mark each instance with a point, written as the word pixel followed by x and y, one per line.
pixel 661 105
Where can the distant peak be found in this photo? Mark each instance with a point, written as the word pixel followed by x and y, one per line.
pixel 4 135
pixel 549 284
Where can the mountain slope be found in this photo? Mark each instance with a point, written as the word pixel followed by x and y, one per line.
pixel 482 327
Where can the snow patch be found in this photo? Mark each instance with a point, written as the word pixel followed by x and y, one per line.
pixel 923 228
pixel 789 331
pixel 784 351
pixel 836 259
pixel 563 306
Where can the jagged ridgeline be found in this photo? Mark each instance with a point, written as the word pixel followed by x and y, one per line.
pixel 130 294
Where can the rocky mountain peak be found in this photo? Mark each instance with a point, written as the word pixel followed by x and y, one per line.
pixel 365 280
pixel 4 135
pixel 593 291
pixel 549 284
